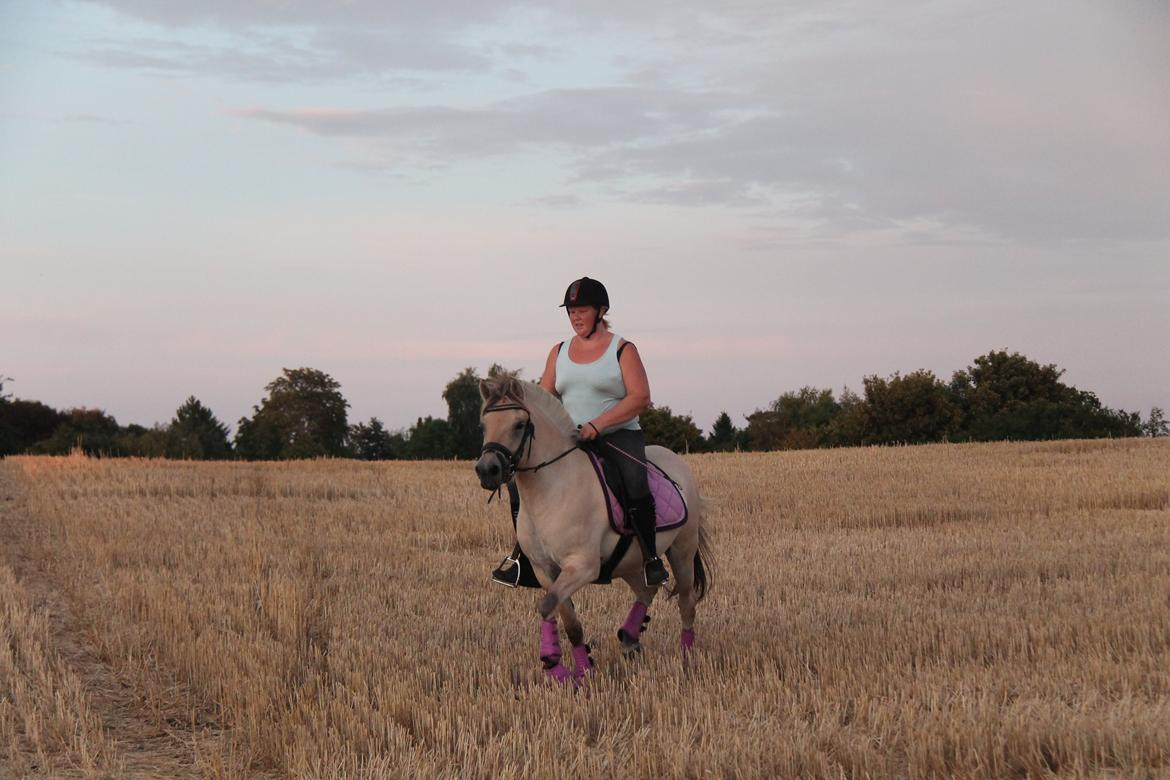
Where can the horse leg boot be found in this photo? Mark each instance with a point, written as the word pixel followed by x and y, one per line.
pixel 581 653
pixel 550 652
pixel 642 518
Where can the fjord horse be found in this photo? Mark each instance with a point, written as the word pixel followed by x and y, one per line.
pixel 563 525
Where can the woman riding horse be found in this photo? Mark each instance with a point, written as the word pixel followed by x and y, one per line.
pixel 602 383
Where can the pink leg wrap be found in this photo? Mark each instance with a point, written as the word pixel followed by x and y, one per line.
pixel 632 628
pixel 687 640
pixel 550 645
pixel 581 661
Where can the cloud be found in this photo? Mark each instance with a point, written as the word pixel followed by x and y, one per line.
pixel 282 56
pixel 579 119
pixel 1041 122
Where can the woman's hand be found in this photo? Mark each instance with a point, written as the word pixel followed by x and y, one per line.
pixel 587 432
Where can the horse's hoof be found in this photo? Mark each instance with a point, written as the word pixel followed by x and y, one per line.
pixel 632 649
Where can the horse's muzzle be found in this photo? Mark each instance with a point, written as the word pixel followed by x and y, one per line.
pixel 490 472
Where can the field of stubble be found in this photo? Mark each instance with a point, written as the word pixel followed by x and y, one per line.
pixel 943 611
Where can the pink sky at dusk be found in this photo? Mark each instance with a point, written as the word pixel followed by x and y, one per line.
pixel 195 196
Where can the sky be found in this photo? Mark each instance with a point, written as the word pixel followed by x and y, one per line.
pixel 196 195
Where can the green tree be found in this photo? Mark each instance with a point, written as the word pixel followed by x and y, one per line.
pixel 429 439
pixel 795 420
pixel 849 427
pixel 371 441
pixel 663 427
pixel 1155 424
pixel 463 402
pixel 94 431
pixel 724 435
pixel 765 430
pixel 912 409
pixel 303 416
pixel 141 442
pixel 196 434
pixel 24 423
pixel 1009 396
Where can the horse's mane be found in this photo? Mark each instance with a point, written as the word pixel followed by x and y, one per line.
pixel 532 395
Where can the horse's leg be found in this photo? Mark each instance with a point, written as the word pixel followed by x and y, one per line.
pixel 550 643
pixel 630 632
pixel 582 660
pixel 572 577
pixel 682 563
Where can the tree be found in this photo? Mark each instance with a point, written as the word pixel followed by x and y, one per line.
pixel 196 434
pixel 463 403
pixel 849 427
pixel 795 420
pixel 142 442
pixel 429 439
pixel 303 416
pixel 1155 424
pixel 663 427
pixel 24 423
pixel 371 441
pixel 1008 396
pixel 911 409
pixel 94 431
pixel 724 435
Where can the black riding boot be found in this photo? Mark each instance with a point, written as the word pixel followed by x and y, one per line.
pixel 515 570
pixel 643 522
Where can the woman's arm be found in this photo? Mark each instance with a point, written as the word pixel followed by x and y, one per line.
pixel 637 398
pixel 548 380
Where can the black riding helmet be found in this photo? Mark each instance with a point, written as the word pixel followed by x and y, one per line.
pixel 586 292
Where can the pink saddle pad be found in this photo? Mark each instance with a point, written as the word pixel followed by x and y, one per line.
pixel 670 507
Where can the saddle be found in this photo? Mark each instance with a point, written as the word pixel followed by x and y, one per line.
pixel 669 504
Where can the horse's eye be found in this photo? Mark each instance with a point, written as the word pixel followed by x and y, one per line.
pixel 518 426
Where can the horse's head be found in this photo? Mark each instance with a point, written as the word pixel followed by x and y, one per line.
pixel 507 430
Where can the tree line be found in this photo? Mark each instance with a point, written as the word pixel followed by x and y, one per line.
pixel 1001 396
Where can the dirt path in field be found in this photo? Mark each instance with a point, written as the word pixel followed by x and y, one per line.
pixel 150 741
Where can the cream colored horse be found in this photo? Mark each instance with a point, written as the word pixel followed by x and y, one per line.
pixel 563 524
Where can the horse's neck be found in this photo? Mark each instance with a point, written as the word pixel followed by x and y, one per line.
pixel 548 484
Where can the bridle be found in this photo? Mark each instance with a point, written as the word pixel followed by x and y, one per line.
pixel 509 460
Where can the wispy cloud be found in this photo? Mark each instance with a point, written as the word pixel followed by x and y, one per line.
pixel 1042 122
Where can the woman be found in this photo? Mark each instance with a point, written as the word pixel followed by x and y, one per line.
pixel 600 379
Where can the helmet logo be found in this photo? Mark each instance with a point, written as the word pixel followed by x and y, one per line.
pixel 574 291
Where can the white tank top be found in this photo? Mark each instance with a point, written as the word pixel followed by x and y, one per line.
pixel 588 390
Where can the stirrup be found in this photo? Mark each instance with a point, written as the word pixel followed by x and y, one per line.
pixel 661 577
pixel 501 575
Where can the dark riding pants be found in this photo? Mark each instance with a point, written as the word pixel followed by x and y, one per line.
pixel 633 472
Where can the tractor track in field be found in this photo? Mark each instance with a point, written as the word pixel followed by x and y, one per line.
pixel 150 738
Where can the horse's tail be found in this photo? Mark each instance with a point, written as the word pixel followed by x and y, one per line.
pixel 703 579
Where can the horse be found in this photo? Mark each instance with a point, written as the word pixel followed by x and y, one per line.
pixel 563 524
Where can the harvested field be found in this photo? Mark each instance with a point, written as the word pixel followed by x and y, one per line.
pixel 995 610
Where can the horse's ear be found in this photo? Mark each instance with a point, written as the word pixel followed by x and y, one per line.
pixel 485 390
pixel 516 389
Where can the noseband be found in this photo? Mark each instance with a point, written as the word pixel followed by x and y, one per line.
pixel 509 460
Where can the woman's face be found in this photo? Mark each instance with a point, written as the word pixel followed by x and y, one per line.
pixel 582 319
